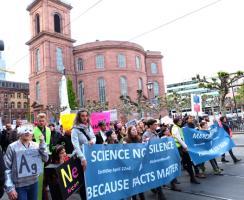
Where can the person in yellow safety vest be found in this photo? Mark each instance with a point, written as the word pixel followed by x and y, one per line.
pixel 42 129
pixel 177 133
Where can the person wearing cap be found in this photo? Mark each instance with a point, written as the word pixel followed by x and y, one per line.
pixel 26 187
pixel 101 136
pixel 151 134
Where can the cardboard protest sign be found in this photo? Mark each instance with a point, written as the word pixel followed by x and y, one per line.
pixel 29 163
pixel 64 179
pixel 97 117
pixel 113 115
pixel 67 121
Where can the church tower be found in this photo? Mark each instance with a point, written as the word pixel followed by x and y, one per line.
pixel 51 51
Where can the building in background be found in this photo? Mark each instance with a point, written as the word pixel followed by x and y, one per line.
pixel 2 67
pixel 100 70
pixel 13 101
pixel 188 87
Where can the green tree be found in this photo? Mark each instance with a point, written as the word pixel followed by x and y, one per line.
pixel 210 101
pixel 240 96
pixel 178 102
pixel 95 106
pixel 71 95
pixel 222 83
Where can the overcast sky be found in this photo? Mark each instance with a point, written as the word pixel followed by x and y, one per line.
pixel 205 42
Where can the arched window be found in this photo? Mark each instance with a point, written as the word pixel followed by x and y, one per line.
pixel 25 105
pixel 121 60
pixel 140 84
pixel 37 23
pixel 123 86
pixel 100 61
pixel 59 59
pixel 102 90
pixel 81 93
pixel 154 68
pixel 80 66
pixel 57 23
pixel 19 105
pixel 38 92
pixel 155 88
pixel 38 60
pixel 138 62
pixel 12 104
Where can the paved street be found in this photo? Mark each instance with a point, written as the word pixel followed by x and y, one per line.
pixel 227 187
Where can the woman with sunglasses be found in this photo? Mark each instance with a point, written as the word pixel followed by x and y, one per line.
pixel 26 187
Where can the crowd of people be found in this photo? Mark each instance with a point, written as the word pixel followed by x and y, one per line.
pixel 54 145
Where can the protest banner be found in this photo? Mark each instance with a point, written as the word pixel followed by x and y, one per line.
pixel 67 121
pixel 64 179
pixel 117 171
pixel 97 117
pixel 29 163
pixel 204 145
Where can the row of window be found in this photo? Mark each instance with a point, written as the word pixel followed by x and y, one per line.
pixel 100 62
pixel 56 21
pixel 59 60
pixel 13 105
pixel 14 116
pixel 19 96
pixel 14 85
pixel 123 89
pixel 102 89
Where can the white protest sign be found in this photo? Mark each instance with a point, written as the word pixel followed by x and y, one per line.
pixel 29 163
pixel 113 115
pixel 132 122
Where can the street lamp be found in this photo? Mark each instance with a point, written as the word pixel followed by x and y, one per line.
pixel 149 85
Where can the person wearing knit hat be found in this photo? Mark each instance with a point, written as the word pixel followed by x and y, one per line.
pixel 22 187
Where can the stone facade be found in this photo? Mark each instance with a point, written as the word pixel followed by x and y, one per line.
pixel 85 64
pixel 13 101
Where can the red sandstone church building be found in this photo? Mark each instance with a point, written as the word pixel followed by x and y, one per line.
pixel 101 70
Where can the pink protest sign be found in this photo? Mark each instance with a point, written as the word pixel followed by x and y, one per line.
pixel 98 117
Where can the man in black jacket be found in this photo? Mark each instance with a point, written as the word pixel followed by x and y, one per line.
pixel 101 136
pixel 2 169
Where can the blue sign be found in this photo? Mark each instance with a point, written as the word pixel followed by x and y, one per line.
pixel 118 171
pixel 196 99
pixel 205 145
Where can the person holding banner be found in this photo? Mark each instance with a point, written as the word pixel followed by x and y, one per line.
pixel 177 133
pixel 151 134
pixel 82 133
pixel 17 185
pixel 189 122
pixel 134 137
pixel 213 162
pixel 223 123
